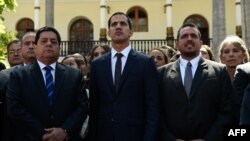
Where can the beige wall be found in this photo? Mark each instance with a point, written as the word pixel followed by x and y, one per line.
pixel 67 11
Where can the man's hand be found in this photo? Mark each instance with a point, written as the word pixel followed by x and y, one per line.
pixel 54 134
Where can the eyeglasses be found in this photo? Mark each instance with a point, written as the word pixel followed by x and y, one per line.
pixel 13 52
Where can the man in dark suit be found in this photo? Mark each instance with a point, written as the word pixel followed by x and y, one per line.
pixel 28 57
pixel 193 109
pixel 245 108
pixel 46 100
pixel 3 84
pixel 124 109
pixel 240 83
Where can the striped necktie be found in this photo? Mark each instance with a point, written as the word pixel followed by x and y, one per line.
pixel 49 83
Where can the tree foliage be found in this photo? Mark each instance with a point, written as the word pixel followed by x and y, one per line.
pixel 5 35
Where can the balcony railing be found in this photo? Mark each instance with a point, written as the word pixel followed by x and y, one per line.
pixel 83 47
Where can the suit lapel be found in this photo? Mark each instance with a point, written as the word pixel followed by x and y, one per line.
pixel 175 75
pixel 108 71
pixel 36 73
pixel 59 79
pixel 200 74
pixel 131 60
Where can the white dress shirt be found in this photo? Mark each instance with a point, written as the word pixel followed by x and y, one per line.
pixel 183 64
pixel 53 65
pixel 124 58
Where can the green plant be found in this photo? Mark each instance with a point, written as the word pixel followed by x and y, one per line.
pixel 5 38
pixel 5 35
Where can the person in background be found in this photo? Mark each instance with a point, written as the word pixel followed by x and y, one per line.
pixel 76 61
pixel 123 89
pixel 169 51
pixel 233 52
pixel 46 100
pixel 175 56
pixel 72 61
pixel 245 108
pixel 240 83
pixel 159 56
pixel 194 93
pixel 97 51
pixel 14 53
pixel 3 85
pixel 27 48
pixel 28 56
pixel 84 66
pixel 207 52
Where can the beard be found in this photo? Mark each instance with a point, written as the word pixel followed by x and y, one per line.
pixel 192 54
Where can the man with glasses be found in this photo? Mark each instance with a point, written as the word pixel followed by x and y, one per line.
pixel 14 53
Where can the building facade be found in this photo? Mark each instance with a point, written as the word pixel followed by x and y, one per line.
pixel 86 20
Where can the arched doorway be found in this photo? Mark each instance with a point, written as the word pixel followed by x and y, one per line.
pixel 202 24
pixel 23 26
pixel 81 36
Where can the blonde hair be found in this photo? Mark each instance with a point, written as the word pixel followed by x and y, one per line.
pixel 236 41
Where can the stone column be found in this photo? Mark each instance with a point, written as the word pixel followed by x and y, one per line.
pixel 37 14
pixel 219 26
pixel 49 12
pixel 169 25
pixel 103 31
pixel 238 18
pixel 245 5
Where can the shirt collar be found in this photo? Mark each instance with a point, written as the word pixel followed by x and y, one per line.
pixel 41 65
pixel 124 52
pixel 194 61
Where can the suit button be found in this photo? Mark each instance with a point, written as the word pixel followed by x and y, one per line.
pixel 51 117
pixel 112 119
pixel 114 103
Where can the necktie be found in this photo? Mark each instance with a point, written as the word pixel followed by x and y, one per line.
pixel 118 70
pixel 188 78
pixel 49 83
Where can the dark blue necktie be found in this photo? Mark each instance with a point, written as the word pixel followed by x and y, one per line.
pixel 118 70
pixel 49 83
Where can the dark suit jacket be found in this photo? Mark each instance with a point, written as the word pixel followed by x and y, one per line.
pixel 131 114
pixel 9 128
pixel 3 84
pixel 204 112
pixel 28 104
pixel 245 108
pixel 241 80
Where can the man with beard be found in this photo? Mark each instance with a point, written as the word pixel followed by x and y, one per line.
pixel 194 93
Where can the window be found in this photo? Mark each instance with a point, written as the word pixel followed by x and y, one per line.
pixel 81 30
pixel 81 36
pixel 139 18
pixel 202 24
pixel 23 26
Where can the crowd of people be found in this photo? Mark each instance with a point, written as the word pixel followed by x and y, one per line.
pixel 118 94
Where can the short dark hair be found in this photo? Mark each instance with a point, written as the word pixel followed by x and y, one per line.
pixel 46 29
pixel 121 13
pixel 12 42
pixel 188 25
